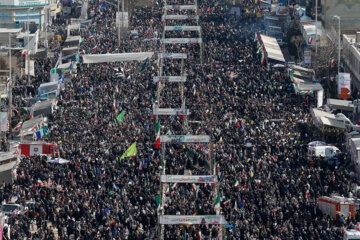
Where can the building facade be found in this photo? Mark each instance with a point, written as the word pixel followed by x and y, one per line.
pixel 351 55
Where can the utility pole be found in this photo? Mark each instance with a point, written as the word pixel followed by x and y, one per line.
pixel 339 42
pixel 316 28
pixel 28 49
pixel 119 29
pixel 10 85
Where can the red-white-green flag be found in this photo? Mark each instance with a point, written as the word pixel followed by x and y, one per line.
pixel 199 234
pixel 236 184
pixel 332 63
pixel 227 202
pixel 157 129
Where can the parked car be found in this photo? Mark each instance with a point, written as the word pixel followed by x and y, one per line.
pixel 12 208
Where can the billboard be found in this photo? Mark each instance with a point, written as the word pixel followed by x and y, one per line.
pixel 191 219
pixel 189 178
pixel 344 84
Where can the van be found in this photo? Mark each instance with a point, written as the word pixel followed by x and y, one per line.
pixel 322 151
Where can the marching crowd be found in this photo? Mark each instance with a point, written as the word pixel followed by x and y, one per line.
pixel 268 189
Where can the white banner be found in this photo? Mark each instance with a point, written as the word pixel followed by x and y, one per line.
pixel 170 79
pixel 31 68
pixel 182 7
pixel 170 111
pixel 192 219
pixel 173 55
pixel 122 18
pixel 4 126
pixel 184 139
pixel 181 17
pixel 189 178
pixel 344 84
pixel 182 40
pixel 183 28
pixel 116 57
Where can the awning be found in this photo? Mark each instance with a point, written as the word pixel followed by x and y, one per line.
pixel 117 57
pixel 340 104
pixel 272 48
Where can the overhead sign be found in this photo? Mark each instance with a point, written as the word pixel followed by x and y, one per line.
pixel 170 111
pixel 182 28
pixel 170 79
pixel 344 84
pixel 182 7
pixel 173 55
pixel 189 178
pixel 182 40
pixel 184 139
pixel 191 219
pixel 181 17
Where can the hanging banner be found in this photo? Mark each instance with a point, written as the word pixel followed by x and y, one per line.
pixel 181 17
pixel 4 125
pixel 189 178
pixel 169 79
pixel 183 28
pixel 170 111
pixel 344 84
pixel 182 40
pixel 184 139
pixel 31 68
pixel 182 7
pixel 191 219
pixel 173 55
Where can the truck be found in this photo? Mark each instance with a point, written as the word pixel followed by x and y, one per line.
pixel 340 117
pixel 337 205
pixel 322 151
pixel 29 149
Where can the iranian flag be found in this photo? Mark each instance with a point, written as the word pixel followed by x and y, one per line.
pixel 236 184
pixel 260 161
pixel 256 37
pixel 237 123
pixel 96 47
pixel 103 143
pixel 193 186
pixel 157 129
pixel 148 210
pixel 18 126
pixel 199 234
pixel 258 181
pixel 39 181
pixel 167 189
pixel 262 56
pixel 332 63
pixel 128 70
pixel 194 89
pixel 217 203
pixel 310 40
pixel 227 202
pixel 141 165
pixel 174 186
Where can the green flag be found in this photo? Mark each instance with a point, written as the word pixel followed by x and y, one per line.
pixel 157 127
pixel 120 117
pixel 130 152
pixel 158 198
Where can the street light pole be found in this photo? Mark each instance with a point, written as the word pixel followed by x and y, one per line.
pixel 119 29
pixel 316 28
pixel 9 86
pixel 28 50
pixel 339 41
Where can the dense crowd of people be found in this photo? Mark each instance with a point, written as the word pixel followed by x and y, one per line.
pixel 247 110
